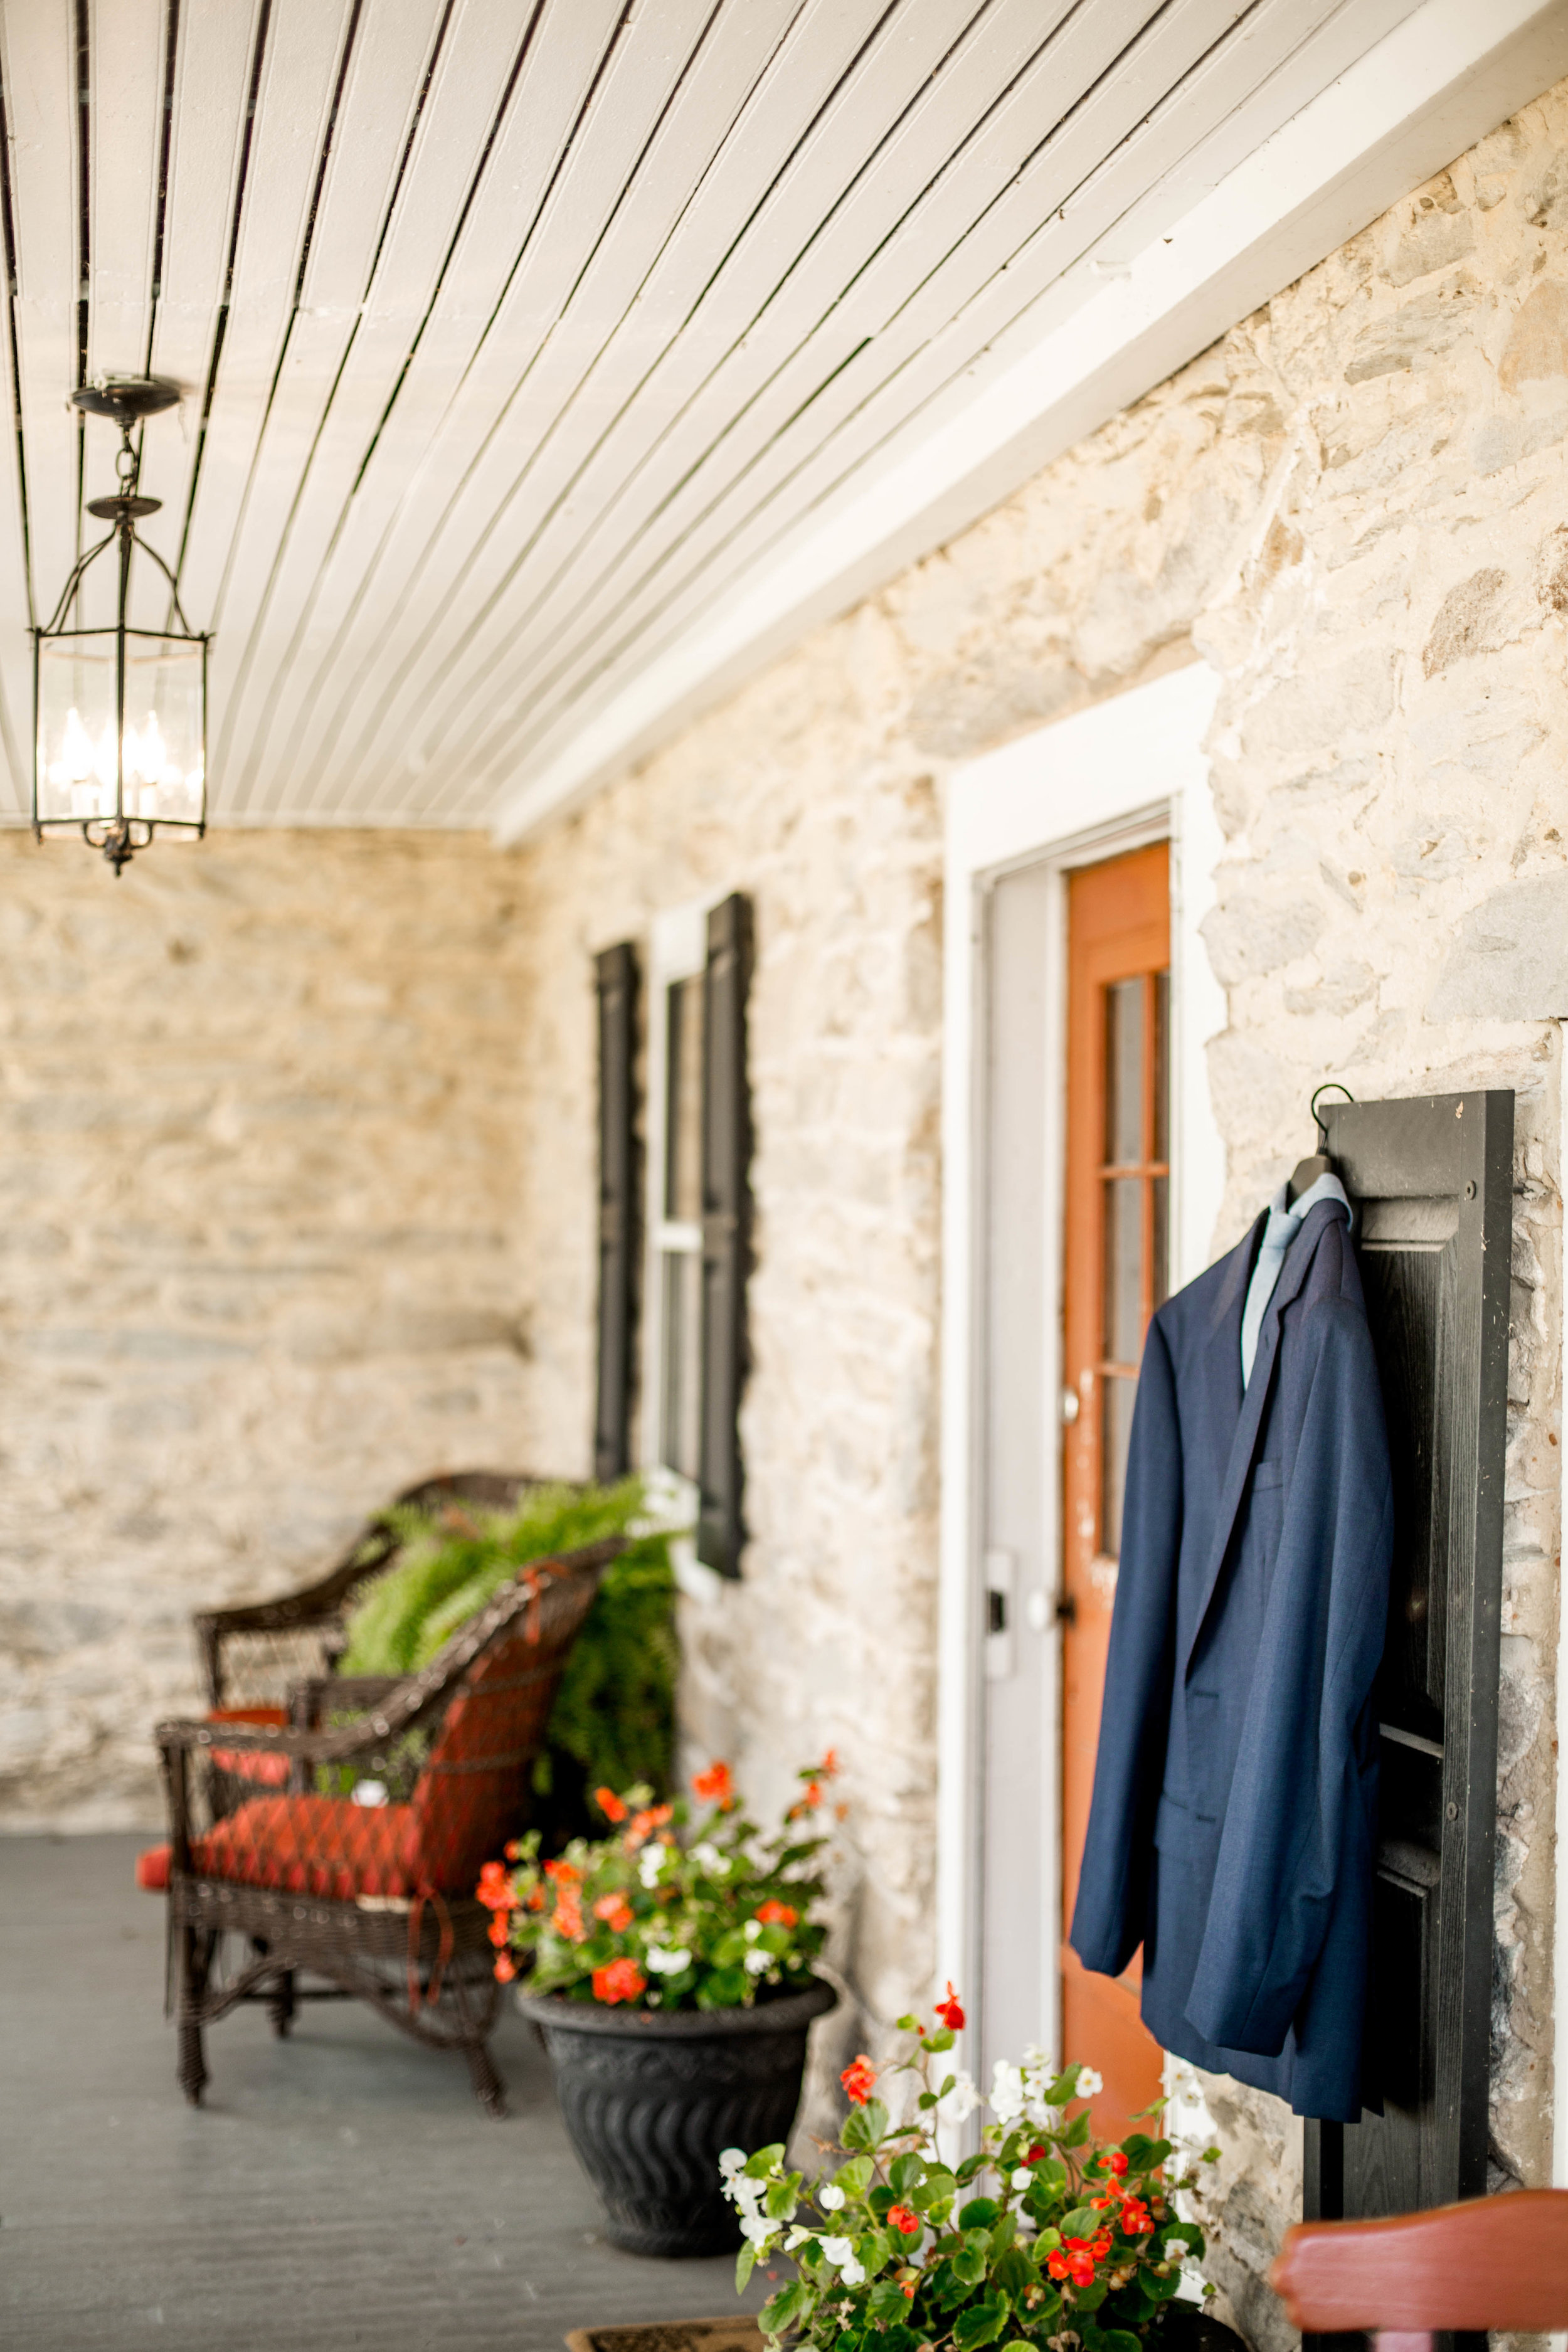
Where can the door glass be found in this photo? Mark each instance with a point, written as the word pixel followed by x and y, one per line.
pixel 683 1156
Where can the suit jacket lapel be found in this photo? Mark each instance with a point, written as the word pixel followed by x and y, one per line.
pixel 1243 1445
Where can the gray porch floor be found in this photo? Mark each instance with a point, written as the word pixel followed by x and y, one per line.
pixel 342 2188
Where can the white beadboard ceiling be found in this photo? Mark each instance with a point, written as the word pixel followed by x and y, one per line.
pixel 526 344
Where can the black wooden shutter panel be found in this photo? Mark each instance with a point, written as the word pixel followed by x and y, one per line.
pixel 726 1232
pixel 1433 1182
pixel 616 974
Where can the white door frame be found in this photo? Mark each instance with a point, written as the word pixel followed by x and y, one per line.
pixel 1132 768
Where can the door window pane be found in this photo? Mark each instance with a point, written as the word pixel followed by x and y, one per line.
pixel 1117 1395
pixel 1161 1069
pixel 1125 1074
pixel 683 1128
pixel 1123 1268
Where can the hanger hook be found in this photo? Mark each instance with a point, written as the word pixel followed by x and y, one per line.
pixel 1329 1087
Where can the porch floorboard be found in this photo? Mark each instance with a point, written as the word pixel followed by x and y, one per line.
pixel 342 2188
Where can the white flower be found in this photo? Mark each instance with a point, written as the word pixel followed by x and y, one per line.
pixel 959 2101
pixel 650 1861
pixel 1177 2249
pixel 734 2160
pixel 707 1856
pixel 1006 2092
pixel 1022 2178
pixel 760 2230
pixel 1090 2084
pixel 758 1963
pixel 370 1793
pixel 752 1930
pixel 830 2199
pixel 797 2237
pixel 748 2194
pixel 666 1959
pixel 840 2252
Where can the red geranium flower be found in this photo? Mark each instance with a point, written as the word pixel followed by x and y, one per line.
pixel 1057 2265
pixel 1035 2153
pixel 616 1912
pixel 495 1889
pixel 568 1918
pixel 904 2217
pixel 618 1981
pixel 715 1786
pixel 565 1873
pixel 773 1914
pixel 613 1807
pixel 951 2010
pixel 506 1968
pixel 1116 2162
pixel 499 1931
pixel 859 2080
pixel 642 1826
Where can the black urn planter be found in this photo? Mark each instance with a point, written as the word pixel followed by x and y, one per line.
pixel 652 2098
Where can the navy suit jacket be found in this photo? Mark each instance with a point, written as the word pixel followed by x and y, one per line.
pixel 1232 1831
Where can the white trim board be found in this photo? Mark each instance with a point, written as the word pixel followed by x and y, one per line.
pixel 1128 768
pixel 1428 90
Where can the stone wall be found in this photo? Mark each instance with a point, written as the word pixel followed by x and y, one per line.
pixel 259 1128
pixel 1352 506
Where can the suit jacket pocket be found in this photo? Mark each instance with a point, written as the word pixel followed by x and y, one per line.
pixel 1266 1475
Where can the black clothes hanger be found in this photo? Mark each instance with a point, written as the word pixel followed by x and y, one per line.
pixel 1306 1172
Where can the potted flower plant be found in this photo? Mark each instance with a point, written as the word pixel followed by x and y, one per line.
pixel 672 1980
pixel 1044 2236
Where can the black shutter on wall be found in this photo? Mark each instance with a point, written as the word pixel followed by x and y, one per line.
pixel 615 975
pixel 1432 1180
pixel 726 1231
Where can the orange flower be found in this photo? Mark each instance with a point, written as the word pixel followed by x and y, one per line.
pixel 951 2010
pixel 495 1889
pixel 536 1898
pixel 506 1968
pixel 568 1918
pixel 618 1981
pixel 904 2217
pixel 859 2080
pixel 715 1786
pixel 642 1825
pixel 565 1873
pixel 613 1807
pixel 498 1932
pixel 828 1767
pixel 773 1914
pixel 616 1912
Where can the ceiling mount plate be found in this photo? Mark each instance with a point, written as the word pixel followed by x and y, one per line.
pixel 123 509
pixel 126 399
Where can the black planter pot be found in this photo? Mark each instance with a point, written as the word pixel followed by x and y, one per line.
pixel 652 2099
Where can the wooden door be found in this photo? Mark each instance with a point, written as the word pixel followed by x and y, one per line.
pixel 1116 1273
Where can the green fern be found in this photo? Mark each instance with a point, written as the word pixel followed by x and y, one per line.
pixel 614 1721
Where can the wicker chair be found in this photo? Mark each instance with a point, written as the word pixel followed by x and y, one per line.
pixel 341 1831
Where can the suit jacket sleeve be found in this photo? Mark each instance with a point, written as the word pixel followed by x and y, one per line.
pixel 1109 1914
pixel 1298 1812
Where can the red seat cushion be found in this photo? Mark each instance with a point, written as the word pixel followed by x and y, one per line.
pixel 315 1845
pixel 253 1764
pixel 153 1870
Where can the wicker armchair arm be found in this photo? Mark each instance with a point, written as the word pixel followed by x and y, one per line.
pixel 342 1745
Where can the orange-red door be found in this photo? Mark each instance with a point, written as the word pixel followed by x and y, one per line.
pixel 1119 954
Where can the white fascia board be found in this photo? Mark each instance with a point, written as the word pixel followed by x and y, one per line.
pixel 1452 72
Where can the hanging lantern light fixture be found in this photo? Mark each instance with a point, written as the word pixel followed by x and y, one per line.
pixel 119 712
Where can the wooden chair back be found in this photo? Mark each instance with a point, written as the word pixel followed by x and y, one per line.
pixel 1495 2263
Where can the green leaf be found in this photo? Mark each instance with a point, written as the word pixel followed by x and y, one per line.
pixel 866 2126
pixel 969 2264
pixel 880 2202
pixel 909 2024
pixel 1188 2231
pixel 779 2202
pixel 887 2301
pixel 1120 2339
pixel 1076 2132
pixel 906 2173
pixel 1089 2298
pixel 745 2263
pixel 1014 2270
pixel 1081 2222
pixel 1064 2088
pixel 978 2213
pixel 853 2177
pixel 781 2309
pixel 940 2040
pixel 971 2166
pixel 981 2324
pixel 757 2167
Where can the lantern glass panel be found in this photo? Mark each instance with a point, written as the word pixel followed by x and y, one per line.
pixel 163 755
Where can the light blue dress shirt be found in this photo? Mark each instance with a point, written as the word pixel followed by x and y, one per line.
pixel 1285 1222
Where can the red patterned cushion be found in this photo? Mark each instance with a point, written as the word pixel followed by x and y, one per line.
pixel 327 1846
pixel 253 1764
